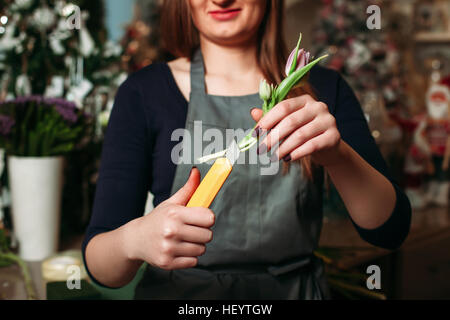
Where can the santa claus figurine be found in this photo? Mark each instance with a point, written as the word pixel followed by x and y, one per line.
pixel 432 139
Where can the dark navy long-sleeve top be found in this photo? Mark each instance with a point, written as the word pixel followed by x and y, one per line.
pixel 136 156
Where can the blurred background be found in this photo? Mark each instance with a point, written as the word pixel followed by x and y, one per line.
pixel 62 61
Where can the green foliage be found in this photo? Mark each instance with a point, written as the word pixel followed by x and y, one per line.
pixel 8 258
pixel 280 92
pixel 42 128
pixel 290 82
pixel 294 62
pixel 4 248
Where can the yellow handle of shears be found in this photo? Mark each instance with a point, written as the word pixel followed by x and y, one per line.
pixel 211 184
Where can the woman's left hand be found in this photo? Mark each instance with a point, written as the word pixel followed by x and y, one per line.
pixel 304 126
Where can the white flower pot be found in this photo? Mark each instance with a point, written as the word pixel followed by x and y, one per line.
pixel 36 190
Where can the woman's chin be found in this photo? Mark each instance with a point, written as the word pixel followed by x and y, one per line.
pixel 228 38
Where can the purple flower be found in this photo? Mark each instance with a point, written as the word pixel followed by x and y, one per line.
pixel 6 123
pixel 66 109
pixel 60 102
pixel 26 99
pixel 303 58
pixel 67 113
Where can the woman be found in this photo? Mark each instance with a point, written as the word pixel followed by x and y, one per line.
pixel 258 238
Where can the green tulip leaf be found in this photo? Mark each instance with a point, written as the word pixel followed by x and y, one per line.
pixel 294 62
pixel 287 84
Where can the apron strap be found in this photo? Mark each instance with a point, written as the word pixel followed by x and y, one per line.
pixel 198 73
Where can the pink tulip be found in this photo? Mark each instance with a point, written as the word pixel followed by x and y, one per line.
pixel 303 58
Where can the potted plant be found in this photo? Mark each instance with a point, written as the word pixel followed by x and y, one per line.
pixel 36 133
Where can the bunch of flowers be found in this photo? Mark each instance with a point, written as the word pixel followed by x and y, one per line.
pixel 41 127
pixel 58 48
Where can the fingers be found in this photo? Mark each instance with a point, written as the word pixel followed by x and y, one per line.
pixel 286 127
pixel 178 255
pixel 180 246
pixel 176 230
pixel 256 114
pixel 187 249
pixel 182 196
pixel 183 263
pixel 299 137
pixel 175 248
pixel 195 234
pixel 282 110
pixel 200 217
pixel 320 142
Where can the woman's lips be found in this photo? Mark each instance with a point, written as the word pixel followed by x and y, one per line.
pixel 224 15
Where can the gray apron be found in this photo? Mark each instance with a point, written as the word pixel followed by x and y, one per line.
pixel 267 226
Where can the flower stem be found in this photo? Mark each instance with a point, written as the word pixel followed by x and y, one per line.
pixel 25 272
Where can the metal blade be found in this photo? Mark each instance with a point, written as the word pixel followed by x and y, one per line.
pixel 233 153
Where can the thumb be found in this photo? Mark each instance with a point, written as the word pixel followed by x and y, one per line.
pixel 182 196
pixel 257 114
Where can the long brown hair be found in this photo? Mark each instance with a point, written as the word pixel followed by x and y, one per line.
pixel 180 37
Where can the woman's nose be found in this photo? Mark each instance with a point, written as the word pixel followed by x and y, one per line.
pixel 223 3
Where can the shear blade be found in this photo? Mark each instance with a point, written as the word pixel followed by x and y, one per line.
pixel 233 152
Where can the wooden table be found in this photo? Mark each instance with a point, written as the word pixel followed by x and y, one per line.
pixel 12 286
pixel 11 281
pixel 341 234
pixel 420 269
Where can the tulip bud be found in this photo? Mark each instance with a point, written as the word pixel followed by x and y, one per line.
pixel 265 90
pixel 302 60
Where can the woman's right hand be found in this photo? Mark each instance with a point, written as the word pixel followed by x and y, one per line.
pixel 172 236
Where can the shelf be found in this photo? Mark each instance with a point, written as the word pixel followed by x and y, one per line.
pixel 433 37
pixel 426 225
